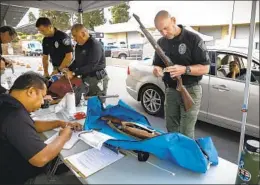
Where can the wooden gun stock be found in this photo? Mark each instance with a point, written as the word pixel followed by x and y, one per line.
pixel 185 95
pixel 128 128
pixel 187 99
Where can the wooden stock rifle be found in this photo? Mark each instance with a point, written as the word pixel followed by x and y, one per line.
pixel 132 129
pixel 187 99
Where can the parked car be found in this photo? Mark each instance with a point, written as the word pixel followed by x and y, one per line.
pixel 108 49
pixel 222 96
pixel 134 50
pixel 31 48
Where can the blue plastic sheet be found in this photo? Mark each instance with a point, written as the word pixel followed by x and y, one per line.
pixel 174 147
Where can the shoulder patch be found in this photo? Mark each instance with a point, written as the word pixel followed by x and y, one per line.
pixel 202 46
pixel 66 41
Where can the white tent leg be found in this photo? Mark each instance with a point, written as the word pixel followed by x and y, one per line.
pixel 80 11
pixel 248 77
pixel 72 19
pixel 81 19
pixel 231 25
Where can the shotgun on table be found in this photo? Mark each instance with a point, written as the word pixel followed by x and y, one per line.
pixel 187 99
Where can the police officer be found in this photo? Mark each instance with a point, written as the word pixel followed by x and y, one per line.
pixel 56 44
pixel 90 61
pixel 23 153
pixel 188 52
pixel 7 35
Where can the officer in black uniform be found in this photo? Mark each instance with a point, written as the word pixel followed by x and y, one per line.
pixel 190 56
pixel 90 61
pixel 55 43
pixel 7 35
pixel 23 153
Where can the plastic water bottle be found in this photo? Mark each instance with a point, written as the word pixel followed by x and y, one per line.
pixel 248 169
pixel 82 102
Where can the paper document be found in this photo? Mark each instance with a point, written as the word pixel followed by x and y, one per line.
pixel 48 117
pixel 94 138
pixel 43 112
pixel 88 162
pixel 69 144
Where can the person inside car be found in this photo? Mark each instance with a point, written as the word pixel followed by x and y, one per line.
pixel 235 71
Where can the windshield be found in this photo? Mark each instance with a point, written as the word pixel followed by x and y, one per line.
pixel 35 45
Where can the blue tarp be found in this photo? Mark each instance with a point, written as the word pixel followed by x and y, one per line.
pixel 174 147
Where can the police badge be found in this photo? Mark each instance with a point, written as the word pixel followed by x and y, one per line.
pixel 182 48
pixel 56 44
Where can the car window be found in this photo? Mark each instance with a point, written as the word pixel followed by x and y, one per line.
pixel 232 66
pixel 32 45
pixel 135 46
pixel 132 46
pixel 254 70
pixel 254 66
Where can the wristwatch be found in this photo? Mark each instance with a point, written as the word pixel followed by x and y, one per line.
pixel 188 70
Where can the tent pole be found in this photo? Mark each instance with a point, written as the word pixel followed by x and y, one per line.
pixel 248 78
pixel 231 25
pixel 72 19
pixel 81 20
pixel 80 11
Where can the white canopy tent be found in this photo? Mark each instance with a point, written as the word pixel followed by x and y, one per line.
pixel 205 38
pixel 84 6
pixel 64 6
pixel 12 15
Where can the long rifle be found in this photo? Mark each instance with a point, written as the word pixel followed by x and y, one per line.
pixel 187 99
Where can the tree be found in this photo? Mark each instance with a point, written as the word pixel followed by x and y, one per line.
pixel 60 20
pixel 93 18
pixel 31 17
pixel 120 13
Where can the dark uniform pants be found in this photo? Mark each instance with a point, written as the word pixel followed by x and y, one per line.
pixel 177 120
pixel 97 87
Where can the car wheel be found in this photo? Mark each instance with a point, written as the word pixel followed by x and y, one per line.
pixel 152 100
pixel 122 56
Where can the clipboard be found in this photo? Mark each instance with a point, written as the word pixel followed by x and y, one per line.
pixel 93 164
pixel 74 168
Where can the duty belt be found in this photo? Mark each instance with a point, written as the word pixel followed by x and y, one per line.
pixel 187 86
pixel 99 74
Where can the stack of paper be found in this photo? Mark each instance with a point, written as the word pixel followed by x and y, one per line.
pixel 94 138
pixel 88 162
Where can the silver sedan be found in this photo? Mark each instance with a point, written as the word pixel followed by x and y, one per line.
pixel 222 96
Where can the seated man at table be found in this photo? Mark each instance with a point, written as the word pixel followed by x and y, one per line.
pixel 23 154
pixel 2 69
